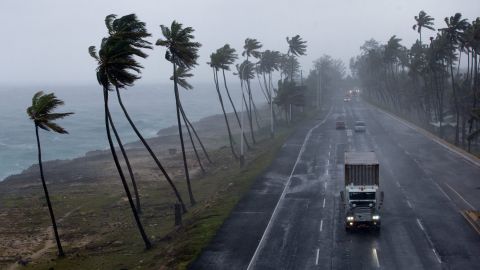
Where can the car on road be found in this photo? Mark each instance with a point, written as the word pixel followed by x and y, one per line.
pixel 340 124
pixel 360 126
pixel 347 99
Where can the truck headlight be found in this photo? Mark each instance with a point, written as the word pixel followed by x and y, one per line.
pixel 375 217
pixel 349 218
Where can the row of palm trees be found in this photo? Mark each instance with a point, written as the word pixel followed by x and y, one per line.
pixel 428 82
pixel 118 68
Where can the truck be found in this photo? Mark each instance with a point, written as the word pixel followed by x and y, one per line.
pixel 361 196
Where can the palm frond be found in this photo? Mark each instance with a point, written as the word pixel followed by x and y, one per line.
pixel 41 111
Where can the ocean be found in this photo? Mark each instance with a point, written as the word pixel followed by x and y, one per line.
pixel 152 107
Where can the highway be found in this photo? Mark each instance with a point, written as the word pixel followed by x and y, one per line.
pixel 292 218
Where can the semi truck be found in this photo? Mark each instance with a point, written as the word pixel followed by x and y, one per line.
pixel 361 197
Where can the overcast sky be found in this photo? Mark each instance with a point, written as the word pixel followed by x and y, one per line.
pixel 46 41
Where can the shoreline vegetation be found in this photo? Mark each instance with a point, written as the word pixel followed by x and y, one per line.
pixel 93 217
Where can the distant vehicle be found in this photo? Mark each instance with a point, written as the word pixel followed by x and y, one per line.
pixel 346 99
pixel 360 126
pixel 361 197
pixel 340 124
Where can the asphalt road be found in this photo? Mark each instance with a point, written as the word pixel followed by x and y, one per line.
pixel 292 217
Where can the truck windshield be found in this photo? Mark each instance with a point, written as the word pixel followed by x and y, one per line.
pixel 362 196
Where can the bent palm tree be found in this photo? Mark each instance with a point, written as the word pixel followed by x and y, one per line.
pixel 182 76
pixel 41 113
pixel 246 73
pixel 129 29
pixel 296 46
pixel 454 30
pixel 181 52
pixel 215 63
pixel 226 57
pixel 115 61
pixel 423 21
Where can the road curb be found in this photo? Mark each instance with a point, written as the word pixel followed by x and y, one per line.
pixel 452 148
pixel 473 217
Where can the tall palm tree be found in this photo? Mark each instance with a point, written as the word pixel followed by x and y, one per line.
pixel 226 57
pixel 181 52
pixel 42 115
pixel 251 48
pixel 296 47
pixel 423 20
pixel 131 30
pixel 246 73
pixel 115 63
pixel 269 62
pixel 216 64
pixel 454 30
pixel 182 75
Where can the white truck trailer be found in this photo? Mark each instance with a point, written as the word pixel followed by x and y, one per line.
pixel 362 197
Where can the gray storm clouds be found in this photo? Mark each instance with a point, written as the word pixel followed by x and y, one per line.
pixel 46 41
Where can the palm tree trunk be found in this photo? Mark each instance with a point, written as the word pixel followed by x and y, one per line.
pixel 234 109
pixel 252 103
pixel 192 142
pixel 127 161
pixel 150 151
pixel 455 99
pixel 148 245
pixel 196 134
pixel 249 114
pixel 217 87
pixel 180 133
pixel 47 197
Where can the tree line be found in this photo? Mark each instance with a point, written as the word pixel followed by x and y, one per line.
pixel 118 67
pixel 434 83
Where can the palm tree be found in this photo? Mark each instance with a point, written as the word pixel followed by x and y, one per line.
pixel 296 47
pixel 129 29
pixel 226 57
pixel 246 73
pixel 269 62
pixel 41 113
pixel 216 64
pixel 181 52
pixel 182 76
pixel 454 30
pixel 115 63
pixel 423 21
pixel 251 48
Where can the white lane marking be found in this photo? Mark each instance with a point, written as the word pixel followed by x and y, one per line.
pixel 398 183
pixel 323 205
pixel 429 241
pixel 325 185
pixel 318 256
pixel 437 256
pixel 321 225
pixel 328 172
pixel 375 258
pixel 284 192
pixel 328 162
pixel 420 224
pixel 458 194
pixel 443 192
pixel 409 204
pixel 329 153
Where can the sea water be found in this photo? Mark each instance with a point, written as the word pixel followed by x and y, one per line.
pixel 152 107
